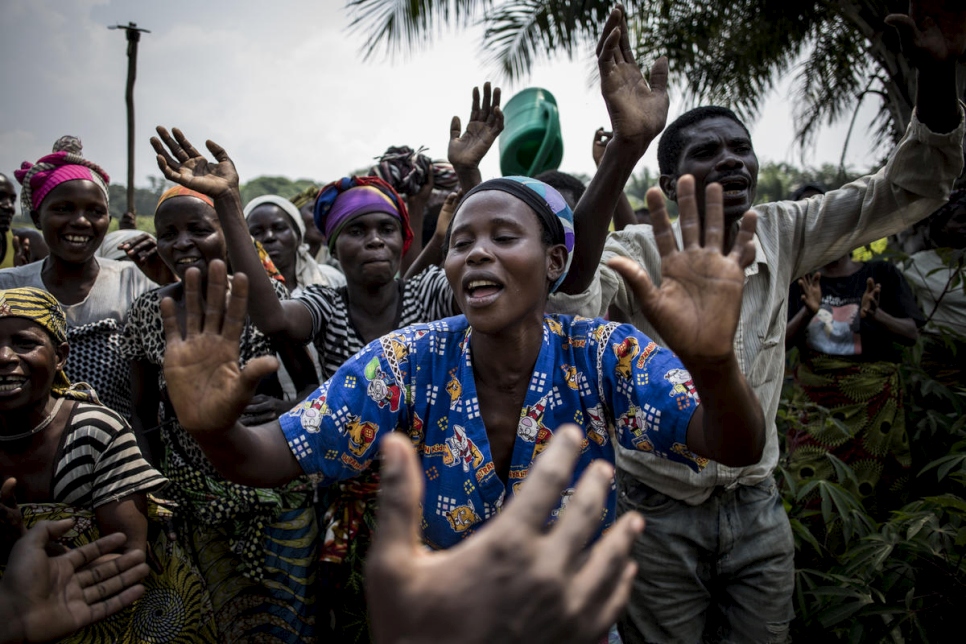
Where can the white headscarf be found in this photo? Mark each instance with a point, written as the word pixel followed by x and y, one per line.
pixel 307 271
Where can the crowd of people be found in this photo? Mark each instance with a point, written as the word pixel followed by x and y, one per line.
pixel 348 414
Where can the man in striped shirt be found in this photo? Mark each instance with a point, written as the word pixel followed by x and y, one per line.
pixel 716 557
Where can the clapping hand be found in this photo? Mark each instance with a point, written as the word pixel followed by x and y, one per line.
pixel 811 286
pixel 697 306
pixel 182 163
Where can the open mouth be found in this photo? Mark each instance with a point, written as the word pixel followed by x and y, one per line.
pixel 733 187
pixel 187 261
pixel 11 383
pixel 77 241
pixel 482 290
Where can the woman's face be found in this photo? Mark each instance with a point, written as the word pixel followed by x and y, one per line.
pixel 189 235
pixel 497 264
pixel 369 248
pixel 272 227
pixel 29 361
pixel 74 219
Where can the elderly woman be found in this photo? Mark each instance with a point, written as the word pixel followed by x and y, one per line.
pixel 255 547
pixel 66 196
pixel 62 455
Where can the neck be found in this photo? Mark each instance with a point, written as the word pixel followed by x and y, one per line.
pixel 18 421
pixel 505 361
pixel 291 277
pixel 374 299
pixel 58 272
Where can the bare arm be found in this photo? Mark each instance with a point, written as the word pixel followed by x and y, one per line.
pixel 696 311
pixel 416 204
pixel 187 166
pixel 127 516
pixel 434 252
pixel 146 400
pixel 209 391
pixel 638 111
pixel 902 330
pixel 623 214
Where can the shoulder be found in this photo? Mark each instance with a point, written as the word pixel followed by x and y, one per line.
pixel 429 277
pixel 27 275
pixel 95 422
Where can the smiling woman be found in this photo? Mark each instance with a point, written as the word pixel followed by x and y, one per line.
pixel 66 196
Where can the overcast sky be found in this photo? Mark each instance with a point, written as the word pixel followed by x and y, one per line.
pixel 283 86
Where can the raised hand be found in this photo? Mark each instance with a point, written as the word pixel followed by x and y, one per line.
pixel 49 598
pixel 182 163
pixel 467 148
pixel 870 299
pixel 143 251
pixel 208 389
pixel 811 286
pixel 638 108
pixel 601 139
pixel 697 306
pixel 934 31
pixel 519 581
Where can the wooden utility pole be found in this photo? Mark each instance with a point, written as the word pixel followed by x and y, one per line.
pixel 133 37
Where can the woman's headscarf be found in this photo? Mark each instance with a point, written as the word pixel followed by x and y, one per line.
pixel 181 191
pixel 66 163
pixel 307 271
pixel 551 208
pixel 349 197
pixel 40 307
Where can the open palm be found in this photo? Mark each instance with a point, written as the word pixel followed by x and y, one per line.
pixel 182 163
pixel 638 108
pixel 208 389
pixel 696 308
pixel 467 148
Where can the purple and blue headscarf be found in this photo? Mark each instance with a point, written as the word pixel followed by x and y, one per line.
pixel 349 197
pixel 551 208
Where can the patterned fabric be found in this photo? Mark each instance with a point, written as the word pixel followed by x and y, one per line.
pixel 181 191
pixel 37 306
pixel 793 238
pixel 65 164
pixel 256 548
pixel 424 297
pixel 99 460
pixel 94 327
pixel 175 607
pixel 550 207
pixel 865 397
pixel 408 170
pixel 349 197
pixel 420 381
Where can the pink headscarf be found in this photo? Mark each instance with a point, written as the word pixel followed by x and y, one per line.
pixel 65 164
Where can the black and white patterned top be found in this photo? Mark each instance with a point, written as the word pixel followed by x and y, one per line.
pixel 99 460
pixel 425 297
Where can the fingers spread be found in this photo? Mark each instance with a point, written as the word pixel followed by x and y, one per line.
pixel 185 143
pixel 234 321
pixel 455 128
pixel 216 151
pixel 552 472
pixel 743 251
pixel 104 609
pixel 80 557
pixel 192 302
pixel 173 145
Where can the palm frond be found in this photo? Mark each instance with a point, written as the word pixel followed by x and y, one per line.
pixel 406 25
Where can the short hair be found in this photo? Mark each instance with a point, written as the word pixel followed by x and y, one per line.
pixel 672 142
pixel 561 181
pixel 799 192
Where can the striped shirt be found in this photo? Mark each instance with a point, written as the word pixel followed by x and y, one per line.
pixel 99 460
pixel 793 238
pixel 424 298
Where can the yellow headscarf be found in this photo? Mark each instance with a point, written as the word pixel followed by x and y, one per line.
pixel 41 307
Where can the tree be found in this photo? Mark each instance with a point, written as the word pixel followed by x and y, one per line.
pixel 725 52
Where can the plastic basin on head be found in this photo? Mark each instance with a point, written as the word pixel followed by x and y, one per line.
pixel 531 142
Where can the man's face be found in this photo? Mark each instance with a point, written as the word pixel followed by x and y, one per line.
pixel 718 150
pixel 8 197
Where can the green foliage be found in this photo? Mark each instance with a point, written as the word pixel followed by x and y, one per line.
pixel 281 186
pixel 145 199
pixel 776 181
pixel 904 578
